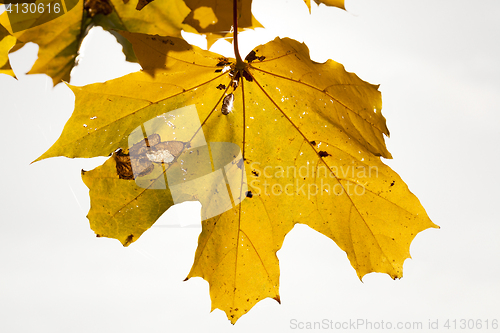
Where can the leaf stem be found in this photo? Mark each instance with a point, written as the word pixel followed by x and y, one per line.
pixel 239 62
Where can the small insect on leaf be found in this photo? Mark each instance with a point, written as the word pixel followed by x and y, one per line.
pixel 227 104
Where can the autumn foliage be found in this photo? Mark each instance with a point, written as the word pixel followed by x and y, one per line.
pixel 264 142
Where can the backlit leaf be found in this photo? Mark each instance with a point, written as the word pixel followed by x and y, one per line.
pixel 60 38
pixel 7 41
pixel 58 41
pixel 214 18
pixel 298 142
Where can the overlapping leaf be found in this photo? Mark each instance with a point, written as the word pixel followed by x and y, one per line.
pixel 60 38
pixel 7 41
pixel 309 135
pixel 214 18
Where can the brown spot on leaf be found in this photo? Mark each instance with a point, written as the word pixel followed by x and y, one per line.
pixel 128 240
pixel 323 153
pixel 221 87
pixel 139 161
pixel 249 194
pixel 167 41
pixel 253 56
pixel 95 7
pixel 247 76
pixel 142 3
pixel 236 76
pixel 123 165
pixel 223 62
pixel 313 143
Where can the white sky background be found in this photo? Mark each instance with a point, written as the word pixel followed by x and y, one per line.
pixel 438 66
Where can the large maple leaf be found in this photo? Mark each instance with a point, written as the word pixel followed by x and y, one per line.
pixel 263 145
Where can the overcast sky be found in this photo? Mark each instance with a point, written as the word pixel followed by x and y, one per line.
pixel 438 69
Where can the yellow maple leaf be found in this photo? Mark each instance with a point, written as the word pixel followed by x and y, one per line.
pixel 276 140
pixel 214 18
pixel 59 37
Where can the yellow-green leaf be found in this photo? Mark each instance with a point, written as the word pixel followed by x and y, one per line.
pixel 263 145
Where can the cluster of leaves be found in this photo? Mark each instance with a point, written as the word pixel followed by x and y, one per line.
pixel 281 110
